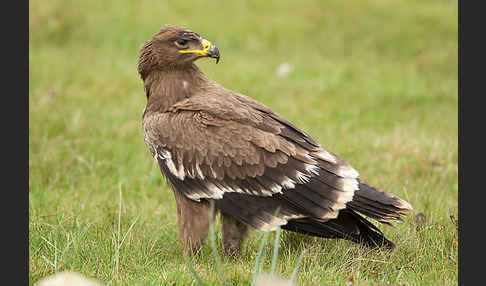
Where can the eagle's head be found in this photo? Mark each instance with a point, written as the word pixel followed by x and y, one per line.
pixel 174 47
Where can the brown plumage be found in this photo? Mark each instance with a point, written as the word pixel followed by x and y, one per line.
pixel 212 143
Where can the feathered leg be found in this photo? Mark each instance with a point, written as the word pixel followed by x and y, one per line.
pixel 193 222
pixel 234 233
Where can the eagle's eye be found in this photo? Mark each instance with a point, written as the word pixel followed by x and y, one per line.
pixel 181 43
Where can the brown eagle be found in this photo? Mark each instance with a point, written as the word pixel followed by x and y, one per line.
pixel 214 144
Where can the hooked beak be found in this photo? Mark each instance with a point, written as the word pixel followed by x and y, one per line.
pixel 209 50
pixel 213 52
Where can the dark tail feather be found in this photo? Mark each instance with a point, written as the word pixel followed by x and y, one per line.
pixel 348 225
pixel 378 204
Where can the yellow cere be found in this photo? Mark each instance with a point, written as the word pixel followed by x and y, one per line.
pixel 206 46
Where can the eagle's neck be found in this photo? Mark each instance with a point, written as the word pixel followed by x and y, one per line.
pixel 167 87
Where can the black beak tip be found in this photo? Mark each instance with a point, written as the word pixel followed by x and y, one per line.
pixel 214 53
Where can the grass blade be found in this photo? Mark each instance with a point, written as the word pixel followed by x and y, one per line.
pixel 49 243
pixel 294 272
pixel 119 212
pixel 257 259
pixel 275 251
pixel 49 262
pixel 257 268
pixel 213 244
pixel 193 271
pixel 128 231
pixel 117 241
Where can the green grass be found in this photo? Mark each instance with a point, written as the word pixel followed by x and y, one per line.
pixel 373 81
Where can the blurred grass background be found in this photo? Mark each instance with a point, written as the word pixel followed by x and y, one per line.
pixel 374 81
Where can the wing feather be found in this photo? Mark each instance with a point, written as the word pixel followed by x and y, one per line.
pixel 247 149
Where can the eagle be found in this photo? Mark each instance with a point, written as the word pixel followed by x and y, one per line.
pixel 217 146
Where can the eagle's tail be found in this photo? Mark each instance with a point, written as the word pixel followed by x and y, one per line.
pixel 378 204
pixel 367 200
pixel 348 225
